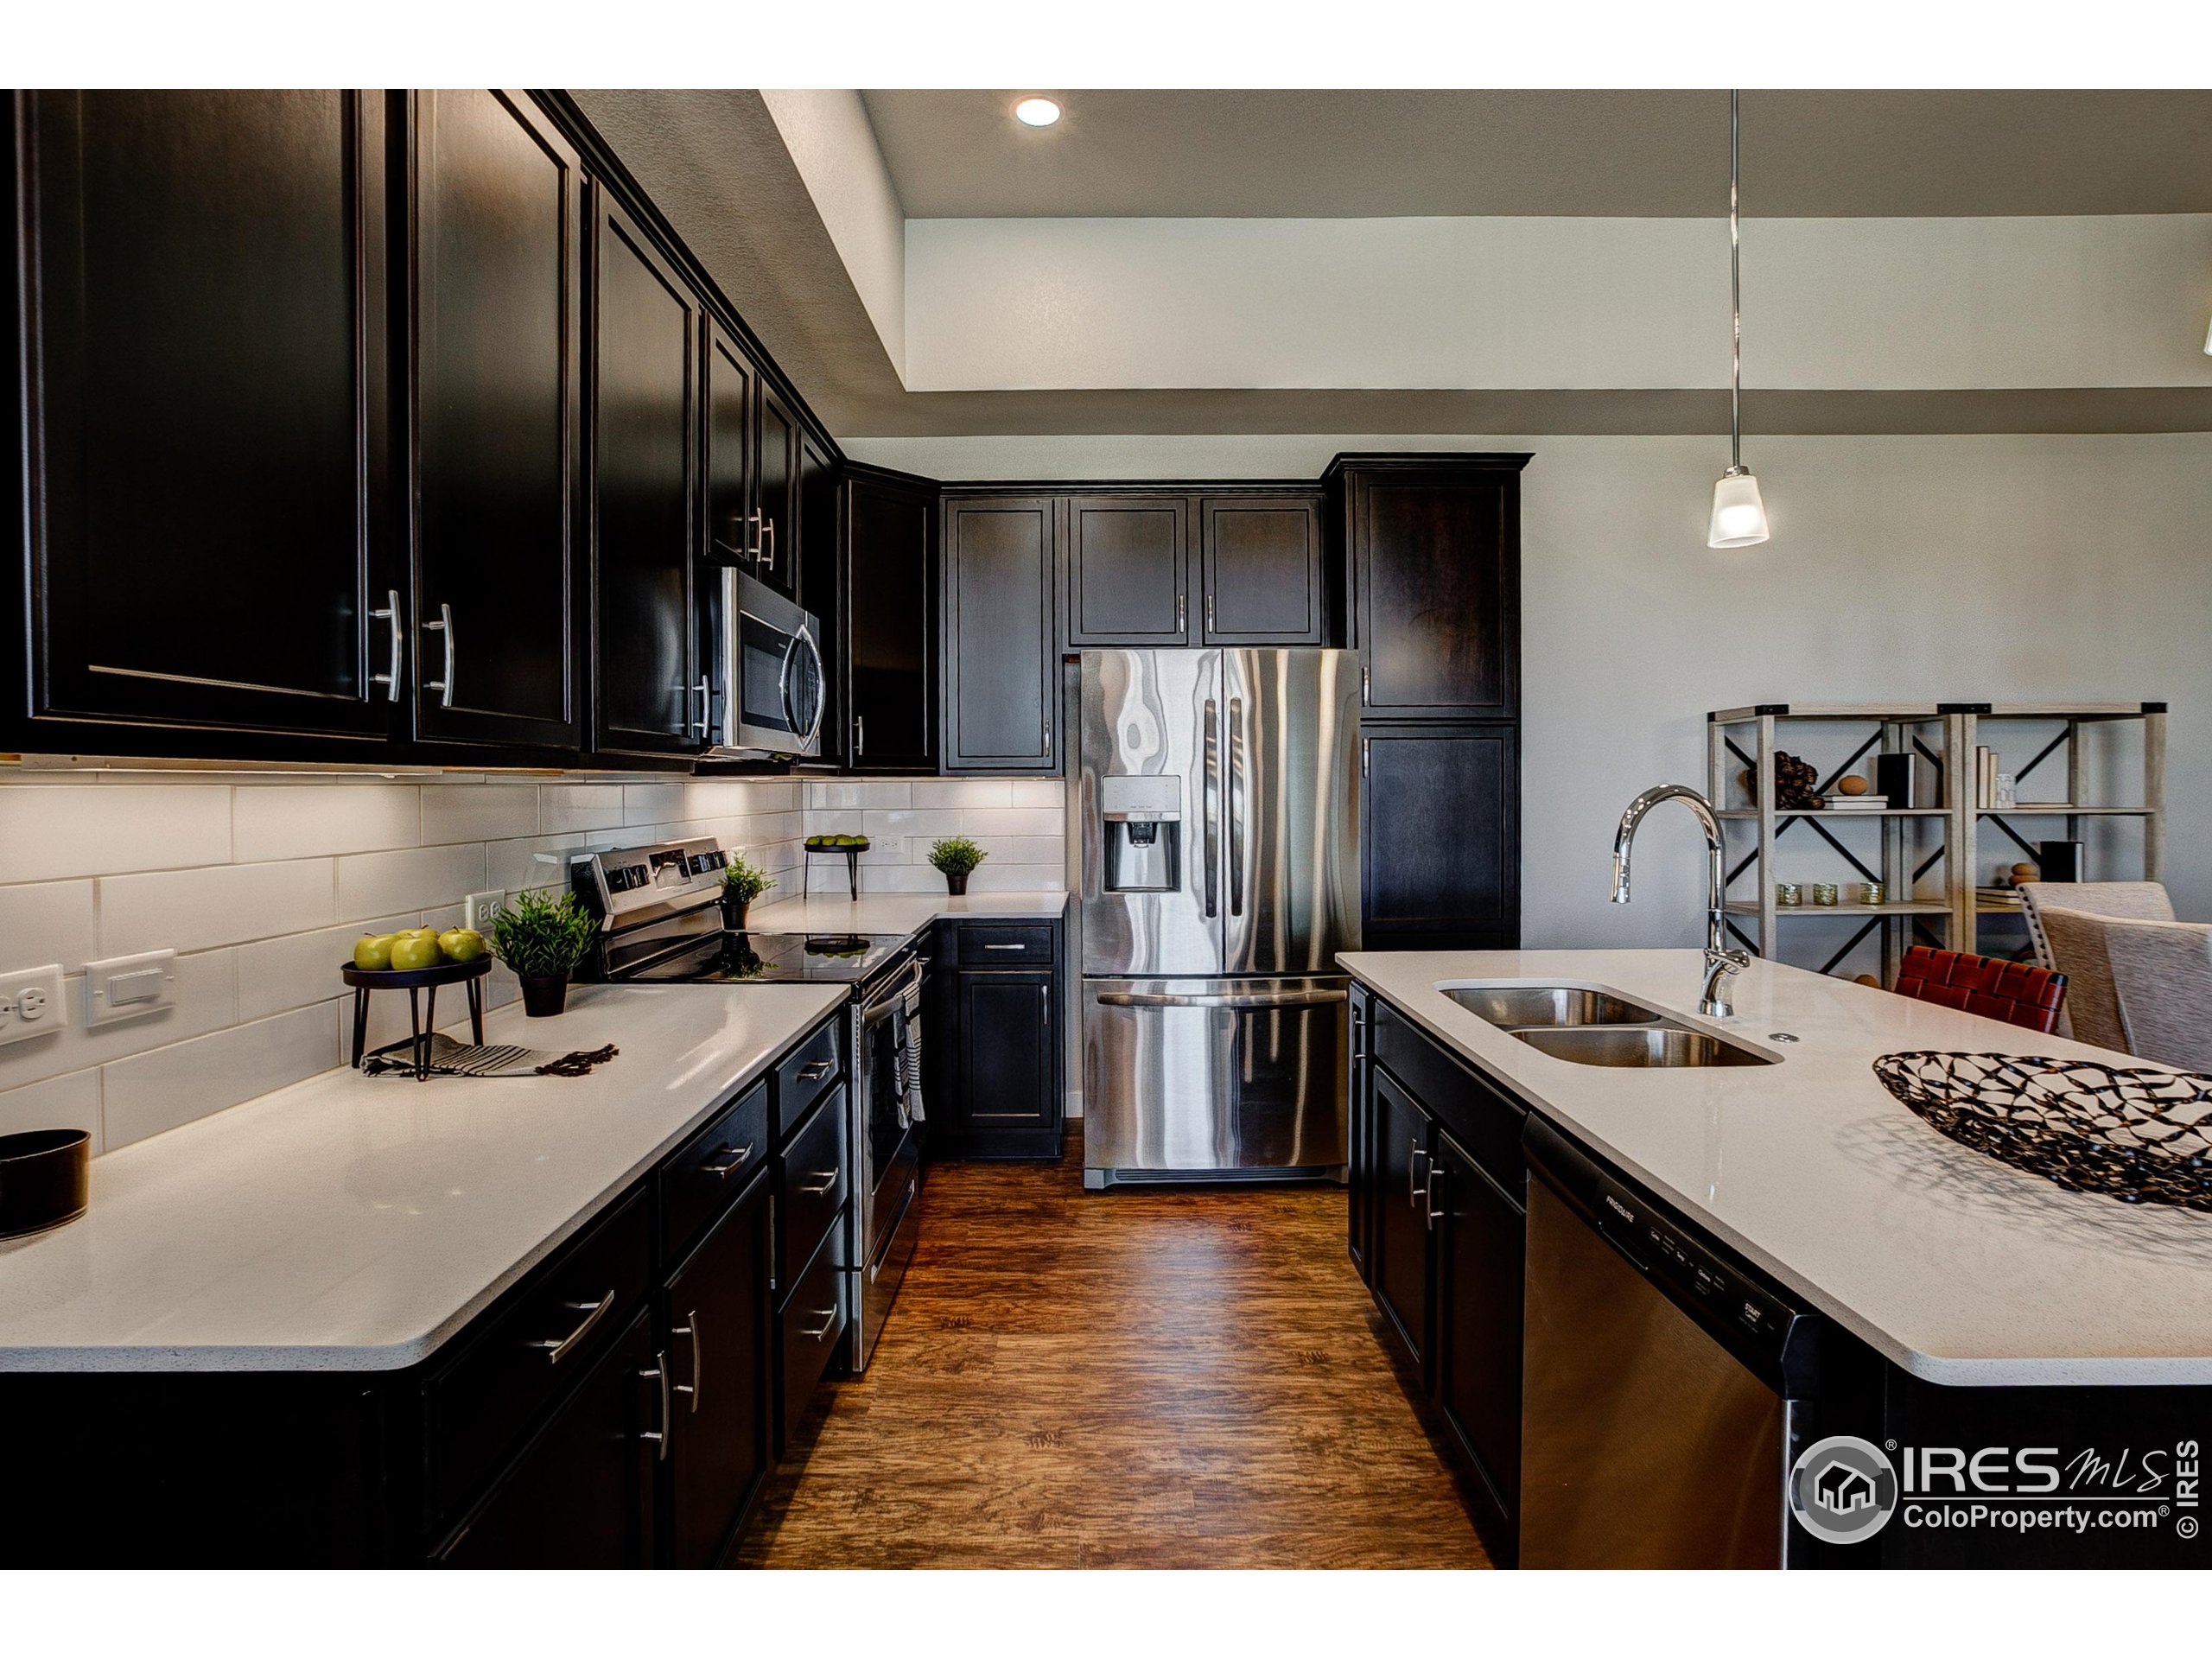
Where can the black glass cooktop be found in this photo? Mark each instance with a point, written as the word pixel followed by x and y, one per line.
pixel 768 958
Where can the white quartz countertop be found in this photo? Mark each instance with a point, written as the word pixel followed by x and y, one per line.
pixel 1960 1269
pixel 898 912
pixel 354 1223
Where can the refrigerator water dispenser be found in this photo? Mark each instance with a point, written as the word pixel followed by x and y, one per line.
pixel 1143 819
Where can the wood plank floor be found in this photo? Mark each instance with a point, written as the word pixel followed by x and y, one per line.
pixel 1147 1377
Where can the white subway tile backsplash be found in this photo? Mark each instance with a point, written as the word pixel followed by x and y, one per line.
pixel 207 1000
pixel 963 792
pixel 994 877
pixel 375 884
pixel 1038 792
pixel 52 833
pixel 649 804
pixel 1012 821
pixel 223 904
pixel 148 1093
pixel 911 821
pixel 1020 823
pixel 834 797
pixel 565 807
pixel 302 820
pixel 275 975
pixel 541 860
pixel 478 812
pixel 48 921
pixel 69 1102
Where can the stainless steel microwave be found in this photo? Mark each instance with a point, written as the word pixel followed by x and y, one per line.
pixel 771 670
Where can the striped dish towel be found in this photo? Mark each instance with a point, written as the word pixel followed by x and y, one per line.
pixel 451 1058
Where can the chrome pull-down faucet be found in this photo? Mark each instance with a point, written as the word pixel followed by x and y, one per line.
pixel 1720 963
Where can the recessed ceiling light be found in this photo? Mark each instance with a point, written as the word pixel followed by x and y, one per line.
pixel 1036 111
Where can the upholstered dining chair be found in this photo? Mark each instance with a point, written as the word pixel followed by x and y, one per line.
pixel 2142 987
pixel 2011 991
pixel 2140 901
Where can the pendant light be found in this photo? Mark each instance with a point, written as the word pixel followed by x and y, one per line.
pixel 1738 515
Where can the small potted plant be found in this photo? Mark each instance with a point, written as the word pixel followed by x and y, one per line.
pixel 956 858
pixel 742 882
pixel 543 939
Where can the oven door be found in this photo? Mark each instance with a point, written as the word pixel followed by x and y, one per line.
pixel 771 688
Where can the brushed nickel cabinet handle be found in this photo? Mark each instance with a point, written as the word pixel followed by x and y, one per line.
pixel 1005 947
pixel 860 735
pixel 768 544
pixel 706 707
pixel 1179 614
pixel 1414 1191
pixel 443 688
pixel 658 1373
pixel 1428 1198
pixel 690 1328
pixel 390 616
pixel 559 1348
pixel 824 1180
pixel 1208 615
pixel 737 1155
pixel 829 1318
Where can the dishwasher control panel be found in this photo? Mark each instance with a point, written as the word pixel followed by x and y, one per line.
pixel 1694 1272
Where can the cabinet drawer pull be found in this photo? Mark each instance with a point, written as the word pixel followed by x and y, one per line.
pixel 706 707
pixel 737 1155
pixel 816 1071
pixel 829 1318
pixel 559 1348
pixel 690 1328
pixel 824 1180
pixel 768 544
pixel 1414 1192
pixel 1179 614
pixel 1005 947
pixel 443 688
pixel 1428 1198
pixel 860 735
pixel 659 1374
pixel 390 616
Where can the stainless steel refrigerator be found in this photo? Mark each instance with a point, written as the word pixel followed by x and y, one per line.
pixel 1217 811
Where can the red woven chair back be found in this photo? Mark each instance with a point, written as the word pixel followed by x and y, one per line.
pixel 2015 992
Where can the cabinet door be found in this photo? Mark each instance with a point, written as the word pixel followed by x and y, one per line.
pixel 1007 1039
pixel 1480 1252
pixel 1001 671
pixel 717 1313
pixel 1400 1275
pixel 205 346
pixel 777 493
pixel 1440 837
pixel 1359 1174
pixel 891 626
pixel 1129 570
pixel 645 347
pixel 1436 600
pixel 1262 561
pixel 497 348
pixel 579 1495
pixel 730 394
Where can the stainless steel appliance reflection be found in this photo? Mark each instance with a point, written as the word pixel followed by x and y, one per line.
pixel 1218 813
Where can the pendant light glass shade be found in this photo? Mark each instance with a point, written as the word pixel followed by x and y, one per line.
pixel 1738 515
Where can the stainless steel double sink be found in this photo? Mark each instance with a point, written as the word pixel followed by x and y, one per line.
pixel 1592 1027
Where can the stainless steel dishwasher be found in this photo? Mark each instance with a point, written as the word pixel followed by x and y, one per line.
pixel 1663 1383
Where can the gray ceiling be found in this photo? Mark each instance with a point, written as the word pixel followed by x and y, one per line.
pixel 1260 154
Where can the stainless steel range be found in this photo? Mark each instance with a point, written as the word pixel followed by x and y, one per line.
pixel 662 923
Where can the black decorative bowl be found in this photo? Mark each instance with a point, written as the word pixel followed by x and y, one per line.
pixel 2141 1135
pixel 44 1179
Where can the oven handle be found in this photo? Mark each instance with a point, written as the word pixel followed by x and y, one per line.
pixel 909 981
pixel 1256 1000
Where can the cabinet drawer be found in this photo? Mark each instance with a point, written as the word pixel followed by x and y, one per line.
pixel 802 1074
pixel 810 1332
pixel 811 1171
pixel 711 1169
pixel 571 1314
pixel 1020 946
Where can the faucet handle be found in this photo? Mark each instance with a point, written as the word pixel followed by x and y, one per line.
pixel 1726 961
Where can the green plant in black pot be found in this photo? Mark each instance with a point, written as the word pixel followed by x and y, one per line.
pixel 742 882
pixel 543 939
pixel 956 858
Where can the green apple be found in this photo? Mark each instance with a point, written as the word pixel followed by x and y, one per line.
pixel 412 950
pixel 461 944
pixel 373 951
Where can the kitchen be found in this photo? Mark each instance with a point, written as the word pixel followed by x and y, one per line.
pixel 1050 954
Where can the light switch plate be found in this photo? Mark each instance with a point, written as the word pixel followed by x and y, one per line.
pixel 30 1003
pixel 123 987
pixel 476 909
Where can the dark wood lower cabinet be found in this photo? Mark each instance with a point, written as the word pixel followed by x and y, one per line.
pixel 715 1312
pixel 1400 1275
pixel 580 1495
pixel 995 1044
pixel 1480 1253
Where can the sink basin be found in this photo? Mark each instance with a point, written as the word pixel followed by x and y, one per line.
pixel 1511 1006
pixel 1638 1045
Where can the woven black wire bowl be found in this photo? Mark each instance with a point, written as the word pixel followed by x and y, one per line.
pixel 2139 1135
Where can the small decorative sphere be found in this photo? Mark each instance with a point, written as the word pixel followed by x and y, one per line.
pixel 2026 873
pixel 1851 784
pixel 1868 979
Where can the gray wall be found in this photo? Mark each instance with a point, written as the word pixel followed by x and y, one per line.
pixel 1984 568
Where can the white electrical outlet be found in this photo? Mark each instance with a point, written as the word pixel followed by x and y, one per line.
pixel 30 1003
pixel 476 909
pixel 123 987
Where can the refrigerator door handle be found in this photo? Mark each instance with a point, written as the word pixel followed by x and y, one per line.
pixel 1210 810
pixel 1236 747
pixel 1257 1000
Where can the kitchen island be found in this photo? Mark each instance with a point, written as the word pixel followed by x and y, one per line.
pixel 1963 1302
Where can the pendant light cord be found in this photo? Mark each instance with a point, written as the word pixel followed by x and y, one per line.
pixel 1735 304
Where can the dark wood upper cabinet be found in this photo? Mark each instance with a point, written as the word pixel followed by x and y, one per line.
pixel 499 351
pixel 1435 566
pixel 889 595
pixel 1262 561
pixel 778 493
pixel 1129 570
pixel 730 393
pixel 1440 837
pixel 204 355
pixel 647 692
pixel 1001 671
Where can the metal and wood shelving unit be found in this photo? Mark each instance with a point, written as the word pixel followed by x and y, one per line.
pixel 1927 856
